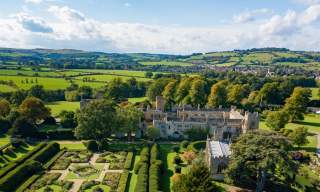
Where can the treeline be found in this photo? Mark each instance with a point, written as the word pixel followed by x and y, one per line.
pixel 215 90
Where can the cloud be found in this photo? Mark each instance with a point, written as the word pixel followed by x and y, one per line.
pixel 66 14
pixel 33 24
pixel 73 29
pixel 33 1
pixel 249 16
pixel 127 4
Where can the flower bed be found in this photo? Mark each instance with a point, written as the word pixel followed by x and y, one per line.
pixel 112 180
pixel 116 159
pixel 48 181
pixel 84 170
pixel 71 157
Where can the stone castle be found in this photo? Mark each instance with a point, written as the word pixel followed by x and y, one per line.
pixel 223 125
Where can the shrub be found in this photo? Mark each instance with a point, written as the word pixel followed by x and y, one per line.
pixel 154 153
pixel 177 169
pixel 92 146
pixel 123 181
pixel 177 160
pixel 103 144
pixel 46 153
pixel 66 134
pixel 17 176
pixel 49 121
pixel 154 177
pixel 144 155
pixel 128 163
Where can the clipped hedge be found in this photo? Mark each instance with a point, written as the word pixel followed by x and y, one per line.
pixel 122 186
pixel 52 160
pixel 29 182
pixel 142 180
pixel 144 158
pixel 10 166
pixel 19 175
pixel 128 162
pixel 46 153
pixel 61 134
pixel 155 169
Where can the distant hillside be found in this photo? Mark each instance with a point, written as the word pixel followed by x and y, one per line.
pixel 69 58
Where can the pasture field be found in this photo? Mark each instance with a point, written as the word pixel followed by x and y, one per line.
pixel 114 72
pixel 136 99
pixel 6 88
pixel 260 57
pixel 167 63
pixel 58 106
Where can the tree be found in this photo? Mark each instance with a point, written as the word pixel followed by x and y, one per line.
pixel 68 119
pixel 218 95
pixel 156 88
pixel 236 93
pixel 22 127
pixel 116 89
pixel 197 179
pixel 72 96
pixel 168 93
pixel 183 90
pixel 153 133
pixel 258 158
pixel 4 107
pixel 296 104
pixel 129 119
pixel 34 109
pixel 17 97
pixel 277 120
pixel 85 92
pixel 270 93
pixel 197 93
pixel 4 125
pixel 189 156
pixel 148 74
pixel 96 120
pixel 299 136
pixel 37 91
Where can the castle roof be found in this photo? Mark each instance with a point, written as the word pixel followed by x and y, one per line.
pixel 219 149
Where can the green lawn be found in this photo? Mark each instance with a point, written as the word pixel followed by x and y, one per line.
pixel 315 93
pixel 58 106
pixel 167 63
pixel 72 145
pixel 6 88
pixel 136 99
pixel 104 187
pixel 311 121
pixel 98 166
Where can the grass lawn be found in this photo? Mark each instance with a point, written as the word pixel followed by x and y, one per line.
pixel 136 99
pixel 133 177
pixel 99 167
pixel 72 145
pixel 315 94
pixel 55 188
pixel 167 156
pixel 4 139
pixel 58 106
pixel 311 121
pixel 6 88
pixel 167 63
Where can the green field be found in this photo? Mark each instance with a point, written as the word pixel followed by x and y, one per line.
pixel 137 99
pixel 167 63
pixel 58 106
pixel 4 139
pixel 105 78
pixel 72 145
pixel 6 88
pixel 315 93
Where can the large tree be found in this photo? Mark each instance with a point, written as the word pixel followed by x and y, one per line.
pixel 260 158
pixel 236 93
pixel 157 87
pixel 37 91
pixel 299 136
pixel 34 109
pixel 276 120
pixel 218 95
pixel 197 93
pixel 183 90
pixel 96 120
pixel 22 127
pixel 270 93
pixel 169 93
pixel 129 119
pixel 197 179
pixel 296 104
pixel 4 107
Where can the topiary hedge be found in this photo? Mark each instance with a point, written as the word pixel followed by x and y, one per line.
pixel 20 174
pixel 155 169
pixel 142 180
pixel 46 153
pixel 29 182
pixel 128 162
pixel 122 186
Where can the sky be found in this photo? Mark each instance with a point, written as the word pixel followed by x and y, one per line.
pixel 160 26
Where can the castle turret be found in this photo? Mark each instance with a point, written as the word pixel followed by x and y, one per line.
pixel 251 121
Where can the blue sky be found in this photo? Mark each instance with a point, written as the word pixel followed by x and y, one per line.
pixel 163 26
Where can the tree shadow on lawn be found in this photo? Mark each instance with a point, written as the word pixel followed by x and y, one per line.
pixel 314 124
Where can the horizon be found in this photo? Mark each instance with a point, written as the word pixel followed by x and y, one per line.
pixel 168 27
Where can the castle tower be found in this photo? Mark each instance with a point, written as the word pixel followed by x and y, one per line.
pixel 160 103
pixel 251 121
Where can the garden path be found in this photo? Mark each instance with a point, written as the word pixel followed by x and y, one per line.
pixel 94 159
pixel 76 184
